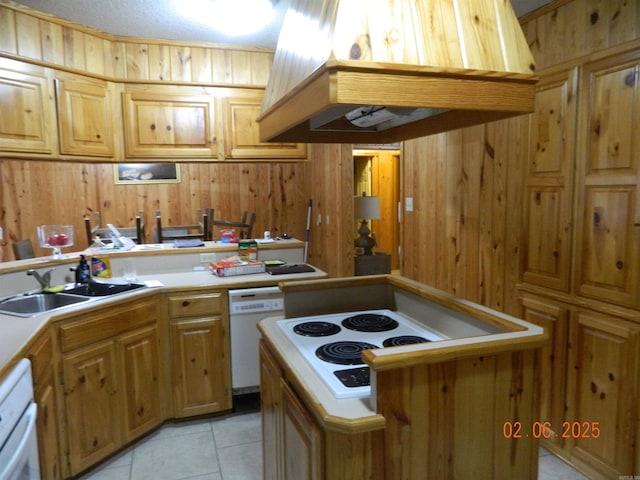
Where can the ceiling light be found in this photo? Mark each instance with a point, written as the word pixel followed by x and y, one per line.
pixel 240 17
pixel 231 17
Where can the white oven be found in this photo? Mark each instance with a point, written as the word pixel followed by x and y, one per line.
pixel 18 439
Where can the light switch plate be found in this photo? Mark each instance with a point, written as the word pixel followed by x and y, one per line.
pixel 408 204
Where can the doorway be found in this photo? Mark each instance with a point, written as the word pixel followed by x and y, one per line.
pixel 376 172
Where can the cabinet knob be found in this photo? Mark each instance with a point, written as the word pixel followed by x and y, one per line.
pixel 186 303
pixel 153 126
pixel 168 128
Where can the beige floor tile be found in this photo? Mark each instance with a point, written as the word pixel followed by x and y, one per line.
pixel 237 429
pixel 551 467
pixel 241 462
pixel 111 473
pixel 175 457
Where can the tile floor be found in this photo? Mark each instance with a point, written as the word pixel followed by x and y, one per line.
pixel 181 451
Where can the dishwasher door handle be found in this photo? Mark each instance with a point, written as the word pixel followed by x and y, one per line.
pixel 253 292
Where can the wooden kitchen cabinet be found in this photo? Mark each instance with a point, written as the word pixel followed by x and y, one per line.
pixel 302 440
pixel 292 441
pixel 86 116
pixel 112 388
pixel 241 108
pixel 200 356
pixel 43 357
pixel 608 226
pixel 169 122
pixel 554 317
pixel 549 186
pixel 603 389
pixel 27 121
pixel 271 411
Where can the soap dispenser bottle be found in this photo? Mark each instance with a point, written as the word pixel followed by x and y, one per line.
pixel 83 271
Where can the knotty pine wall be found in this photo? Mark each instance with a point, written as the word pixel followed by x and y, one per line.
pixel 44 192
pixel 464 235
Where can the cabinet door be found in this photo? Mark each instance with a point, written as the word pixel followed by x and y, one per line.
pixel 271 411
pixel 85 117
pixel 553 368
pixel 303 454
pixel 48 427
pixel 603 388
pixel 43 366
pixel 176 122
pixel 26 121
pixel 609 152
pixel 547 230
pixel 91 401
pixel 242 135
pixel 138 351
pixel 201 370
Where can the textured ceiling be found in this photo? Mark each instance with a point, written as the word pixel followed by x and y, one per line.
pixel 164 19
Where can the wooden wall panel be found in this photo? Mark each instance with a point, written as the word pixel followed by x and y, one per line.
pixel 41 37
pixel 328 179
pixel 565 30
pixel 42 192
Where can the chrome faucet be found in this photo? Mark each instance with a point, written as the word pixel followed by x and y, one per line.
pixel 44 280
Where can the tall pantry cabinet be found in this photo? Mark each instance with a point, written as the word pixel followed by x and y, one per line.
pixel 580 271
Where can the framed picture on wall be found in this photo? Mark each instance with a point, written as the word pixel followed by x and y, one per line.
pixel 137 173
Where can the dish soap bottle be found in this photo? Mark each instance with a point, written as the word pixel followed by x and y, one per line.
pixel 83 271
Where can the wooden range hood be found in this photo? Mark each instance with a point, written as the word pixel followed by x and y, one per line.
pixel 382 71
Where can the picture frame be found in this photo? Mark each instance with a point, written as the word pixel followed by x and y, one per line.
pixel 145 173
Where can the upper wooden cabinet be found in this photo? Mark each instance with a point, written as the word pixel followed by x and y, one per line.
pixel 241 133
pixel 169 122
pixel 86 116
pixel 608 239
pixel 548 213
pixel 27 124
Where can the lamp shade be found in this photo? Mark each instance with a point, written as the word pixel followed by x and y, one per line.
pixel 367 207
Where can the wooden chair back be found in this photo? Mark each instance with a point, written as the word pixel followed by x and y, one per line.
pixel 23 249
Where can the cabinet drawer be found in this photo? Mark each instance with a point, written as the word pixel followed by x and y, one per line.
pixel 196 305
pixel 108 323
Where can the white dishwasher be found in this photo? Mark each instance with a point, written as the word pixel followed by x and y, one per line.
pixel 247 306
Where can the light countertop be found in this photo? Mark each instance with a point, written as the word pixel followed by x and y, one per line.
pixel 171 269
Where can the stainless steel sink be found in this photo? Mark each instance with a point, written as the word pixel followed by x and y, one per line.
pixel 33 304
pixel 102 289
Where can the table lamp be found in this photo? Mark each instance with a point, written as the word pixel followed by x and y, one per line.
pixel 366 208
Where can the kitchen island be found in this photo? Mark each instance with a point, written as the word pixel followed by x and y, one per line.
pixel 464 407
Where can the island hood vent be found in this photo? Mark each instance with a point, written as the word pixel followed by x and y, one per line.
pixel 382 71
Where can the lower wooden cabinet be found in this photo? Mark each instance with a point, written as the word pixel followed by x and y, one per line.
pixel 301 439
pixel 292 441
pixel 200 359
pixel 43 363
pixel 554 317
pixel 603 387
pixel 110 379
pixel 92 404
pixel 105 377
pixel 590 387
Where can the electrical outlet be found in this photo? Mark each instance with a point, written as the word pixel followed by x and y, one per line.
pixel 207 257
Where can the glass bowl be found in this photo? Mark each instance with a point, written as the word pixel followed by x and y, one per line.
pixel 55 237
